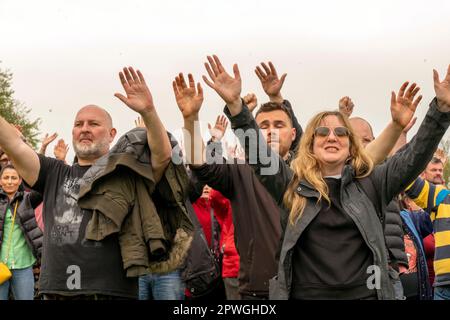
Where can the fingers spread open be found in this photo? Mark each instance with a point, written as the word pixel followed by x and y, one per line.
pixel 141 76
pixel 182 81
pixel 401 92
pixel 393 98
pixel 123 80
pixel 199 90
pixel 121 97
pixel 175 89
pixel 134 75
pixel 272 69
pixel 210 72
pixel 261 74
pixel 128 76
pixel 409 91
pixel 436 77
pixel 220 68
pixel 213 66
pixel 266 68
pixel 209 83
pixel 191 81
pixel 416 103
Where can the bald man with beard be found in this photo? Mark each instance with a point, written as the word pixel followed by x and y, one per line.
pixel 72 266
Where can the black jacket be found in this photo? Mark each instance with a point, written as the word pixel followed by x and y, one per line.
pixel 24 217
pixel 393 231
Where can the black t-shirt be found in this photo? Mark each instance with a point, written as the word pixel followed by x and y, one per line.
pixel 72 265
pixel 331 258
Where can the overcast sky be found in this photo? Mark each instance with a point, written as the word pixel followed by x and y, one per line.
pixel 67 54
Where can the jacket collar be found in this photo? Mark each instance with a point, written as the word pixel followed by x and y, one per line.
pixel 306 189
pixel 17 196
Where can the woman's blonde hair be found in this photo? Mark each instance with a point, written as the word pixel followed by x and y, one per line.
pixel 306 166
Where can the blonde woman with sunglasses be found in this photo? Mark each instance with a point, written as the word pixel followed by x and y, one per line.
pixel 333 243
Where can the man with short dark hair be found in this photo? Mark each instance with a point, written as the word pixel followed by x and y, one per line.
pixel 434 172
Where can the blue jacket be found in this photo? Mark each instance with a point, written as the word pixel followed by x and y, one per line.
pixel 418 226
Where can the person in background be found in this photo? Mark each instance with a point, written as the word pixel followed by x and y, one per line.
pixel 20 236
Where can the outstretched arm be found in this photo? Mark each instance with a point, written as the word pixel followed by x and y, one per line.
pixel 403 107
pixel 189 100
pixel 402 168
pixel 24 159
pixel 140 100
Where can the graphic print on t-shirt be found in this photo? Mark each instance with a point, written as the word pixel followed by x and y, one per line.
pixel 68 215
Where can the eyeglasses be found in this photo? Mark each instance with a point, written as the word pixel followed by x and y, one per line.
pixel 325 131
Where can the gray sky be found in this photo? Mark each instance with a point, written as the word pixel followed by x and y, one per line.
pixel 67 54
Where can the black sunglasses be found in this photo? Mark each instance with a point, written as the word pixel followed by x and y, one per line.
pixel 325 131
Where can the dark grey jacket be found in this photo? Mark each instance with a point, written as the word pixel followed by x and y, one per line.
pixel 393 231
pixel 24 217
pixel 389 178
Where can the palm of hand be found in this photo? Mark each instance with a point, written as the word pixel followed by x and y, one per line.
pixel 271 85
pixel 227 87
pixel 443 90
pixel 220 127
pixel 188 102
pixel 402 111
pixel 139 97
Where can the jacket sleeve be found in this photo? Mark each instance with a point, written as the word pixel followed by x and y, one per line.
pixel 217 176
pixel 221 206
pixel 423 193
pixel 270 168
pixel 395 174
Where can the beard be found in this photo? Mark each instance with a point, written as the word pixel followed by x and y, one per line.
pixel 93 151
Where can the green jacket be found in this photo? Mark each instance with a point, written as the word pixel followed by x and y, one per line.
pixel 151 219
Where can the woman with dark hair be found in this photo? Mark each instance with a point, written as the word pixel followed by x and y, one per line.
pixel 20 236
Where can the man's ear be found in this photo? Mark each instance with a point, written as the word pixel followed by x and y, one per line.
pixel 294 134
pixel 112 134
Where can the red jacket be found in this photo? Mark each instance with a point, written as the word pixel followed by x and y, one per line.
pixel 222 212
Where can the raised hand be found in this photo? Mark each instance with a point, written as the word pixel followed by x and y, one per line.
pixel 49 138
pixel 442 90
pixel 270 82
pixel 403 104
pixel 46 141
pixel 219 129
pixel 189 100
pixel 138 96
pixel 251 101
pixel 346 106
pixel 440 154
pixel 60 150
pixel 228 88
pixel 139 123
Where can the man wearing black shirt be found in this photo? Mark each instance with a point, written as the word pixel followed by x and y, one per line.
pixel 73 267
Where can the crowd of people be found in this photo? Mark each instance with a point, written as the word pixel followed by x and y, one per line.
pixel 325 212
